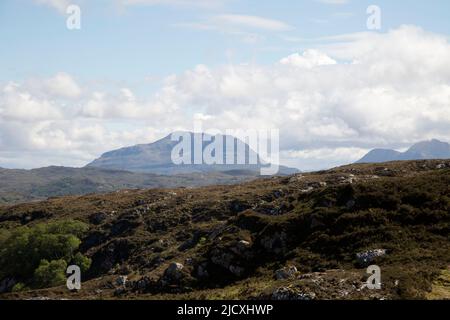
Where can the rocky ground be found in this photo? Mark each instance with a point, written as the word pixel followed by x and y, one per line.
pixel 306 236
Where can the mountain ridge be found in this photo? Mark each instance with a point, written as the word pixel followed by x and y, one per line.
pixel 423 150
pixel 155 158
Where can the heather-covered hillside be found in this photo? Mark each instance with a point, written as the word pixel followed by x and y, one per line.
pixel 306 236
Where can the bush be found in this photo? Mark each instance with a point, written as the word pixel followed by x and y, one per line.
pixel 19 287
pixel 50 274
pixel 81 261
pixel 24 248
pixel 73 227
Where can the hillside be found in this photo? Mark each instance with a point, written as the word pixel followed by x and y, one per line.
pixel 433 149
pixel 233 242
pixel 18 186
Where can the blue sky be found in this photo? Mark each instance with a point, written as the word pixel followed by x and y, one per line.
pixel 139 69
pixel 154 40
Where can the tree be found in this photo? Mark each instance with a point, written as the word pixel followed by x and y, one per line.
pixel 50 274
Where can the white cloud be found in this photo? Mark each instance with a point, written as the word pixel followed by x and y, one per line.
pixel 331 104
pixel 309 59
pixel 17 104
pixel 330 157
pixel 252 22
pixel 62 85
pixel 246 27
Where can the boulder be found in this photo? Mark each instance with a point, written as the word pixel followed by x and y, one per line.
pixel 142 284
pixel 174 271
pixel 121 281
pixel 367 257
pixel 241 248
pixel 287 272
pixel 232 258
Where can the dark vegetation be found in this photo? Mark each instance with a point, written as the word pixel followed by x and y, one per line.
pixel 229 241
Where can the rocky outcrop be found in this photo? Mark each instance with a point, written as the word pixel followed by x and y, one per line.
pixel 174 272
pixel 365 258
pixel 109 255
pixel 275 243
pixel 121 281
pixel 287 272
pixel 287 293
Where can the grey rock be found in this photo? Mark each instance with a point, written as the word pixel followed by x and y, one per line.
pixel 286 293
pixel 367 257
pixel 174 271
pixel 287 272
pixel 142 284
pixel 241 248
pixel 121 281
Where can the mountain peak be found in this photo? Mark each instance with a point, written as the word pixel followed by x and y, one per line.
pixel 431 149
pixel 156 157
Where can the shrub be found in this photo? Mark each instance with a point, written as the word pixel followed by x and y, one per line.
pixel 73 227
pixel 22 251
pixel 83 262
pixel 19 287
pixel 50 274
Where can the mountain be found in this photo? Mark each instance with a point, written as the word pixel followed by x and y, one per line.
pixel 433 149
pixel 380 155
pixel 156 158
pixel 308 236
pixel 38 184
pixel 137 167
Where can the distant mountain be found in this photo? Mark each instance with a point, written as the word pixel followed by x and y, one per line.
pixel 156 158
pixel 433 149
pixel 38 184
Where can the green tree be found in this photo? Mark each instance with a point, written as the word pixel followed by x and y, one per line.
pixel 50 274
pixel 83 262
pixel 23 248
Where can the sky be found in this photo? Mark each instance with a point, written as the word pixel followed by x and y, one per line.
pixel 137 70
